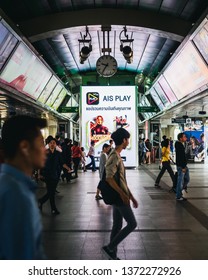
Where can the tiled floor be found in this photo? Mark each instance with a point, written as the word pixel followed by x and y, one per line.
pixel 167 229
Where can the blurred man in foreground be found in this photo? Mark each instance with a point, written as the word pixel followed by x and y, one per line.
pixel 20 224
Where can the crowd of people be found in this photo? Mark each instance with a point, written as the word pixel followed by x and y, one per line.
pixel 24 153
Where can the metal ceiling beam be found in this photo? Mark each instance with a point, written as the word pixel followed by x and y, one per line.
pixel 51 25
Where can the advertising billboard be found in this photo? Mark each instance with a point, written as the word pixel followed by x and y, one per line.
pixel 25 72
pixel 105 109
pixel 157 99
pixel 201 42
pixel 54 95
pixel 161 94
pixel 7 44
pixel 59 99
pixel 168 91
pixel 187 73
pixel 47 90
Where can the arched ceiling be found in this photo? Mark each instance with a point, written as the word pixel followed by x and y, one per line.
pixel 54 27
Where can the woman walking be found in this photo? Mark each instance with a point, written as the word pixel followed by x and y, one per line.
pixel 165 163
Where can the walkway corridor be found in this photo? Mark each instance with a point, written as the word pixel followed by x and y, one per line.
pixel 167 229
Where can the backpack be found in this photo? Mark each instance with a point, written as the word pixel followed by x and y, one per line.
pixel 109 195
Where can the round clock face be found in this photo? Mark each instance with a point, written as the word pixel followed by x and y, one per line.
pixel 106 66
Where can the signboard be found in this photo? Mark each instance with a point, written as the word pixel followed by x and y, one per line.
pixel 178 120
pixel 146 109
pixel 105 109
pixel 65 109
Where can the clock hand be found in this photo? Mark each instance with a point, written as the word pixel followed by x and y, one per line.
pixel 106 65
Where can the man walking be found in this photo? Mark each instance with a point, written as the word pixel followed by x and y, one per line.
pixel 116 177
pixel 182 168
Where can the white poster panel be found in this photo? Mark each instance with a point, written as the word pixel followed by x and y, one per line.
pixel 105 109
pixel 25 72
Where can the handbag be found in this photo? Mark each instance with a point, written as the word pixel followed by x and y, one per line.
pixel 109 195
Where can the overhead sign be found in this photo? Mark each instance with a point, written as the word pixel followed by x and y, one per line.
pixel 65 109
pixel 178 120
pixel 147 109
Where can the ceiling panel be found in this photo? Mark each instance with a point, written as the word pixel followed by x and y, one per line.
pixel 152 48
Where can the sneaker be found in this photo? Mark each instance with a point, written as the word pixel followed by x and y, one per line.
pixel 98 197
pixel 110 254
pixel 181 199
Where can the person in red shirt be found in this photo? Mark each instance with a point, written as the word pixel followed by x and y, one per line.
pixel 76 157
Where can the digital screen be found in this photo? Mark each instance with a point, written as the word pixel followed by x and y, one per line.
pixel 54 95
pixel 168 91
pixel 47 90
pixel 105 109
pixel 145 102
pixel 156 99
pixel 59 99
pixel 201 42
pixel 25 72
pixel 161 94
pixel 7 44
pixel 72 102
pixel 187 73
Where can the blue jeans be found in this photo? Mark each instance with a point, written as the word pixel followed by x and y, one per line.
pixel 182 177
pixel 91 163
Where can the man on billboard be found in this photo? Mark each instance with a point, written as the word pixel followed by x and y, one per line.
pixel 98 127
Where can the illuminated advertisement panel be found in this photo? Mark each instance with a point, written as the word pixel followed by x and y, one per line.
pixel 201 42
pixel 7 44
pixel 59 99
pixel 145 102
pixel 168 91
pixel 104 109
pixel 187 73
pixel 25 72
pixel 54 95
pixel 156 99
pixel 47 90
pixel 161 94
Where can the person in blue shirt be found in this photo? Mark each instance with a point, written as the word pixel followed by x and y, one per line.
pixel 20 222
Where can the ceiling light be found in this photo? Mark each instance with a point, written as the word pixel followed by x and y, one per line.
pixel 128 54
pixel 125 45
pixel 84 52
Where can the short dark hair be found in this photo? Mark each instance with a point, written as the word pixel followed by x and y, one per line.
pixel 17 129
pixel 166 142
pixel 180 135
pixel 52 139
pixel 105 146
pixel 164 137
pixel 119 135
